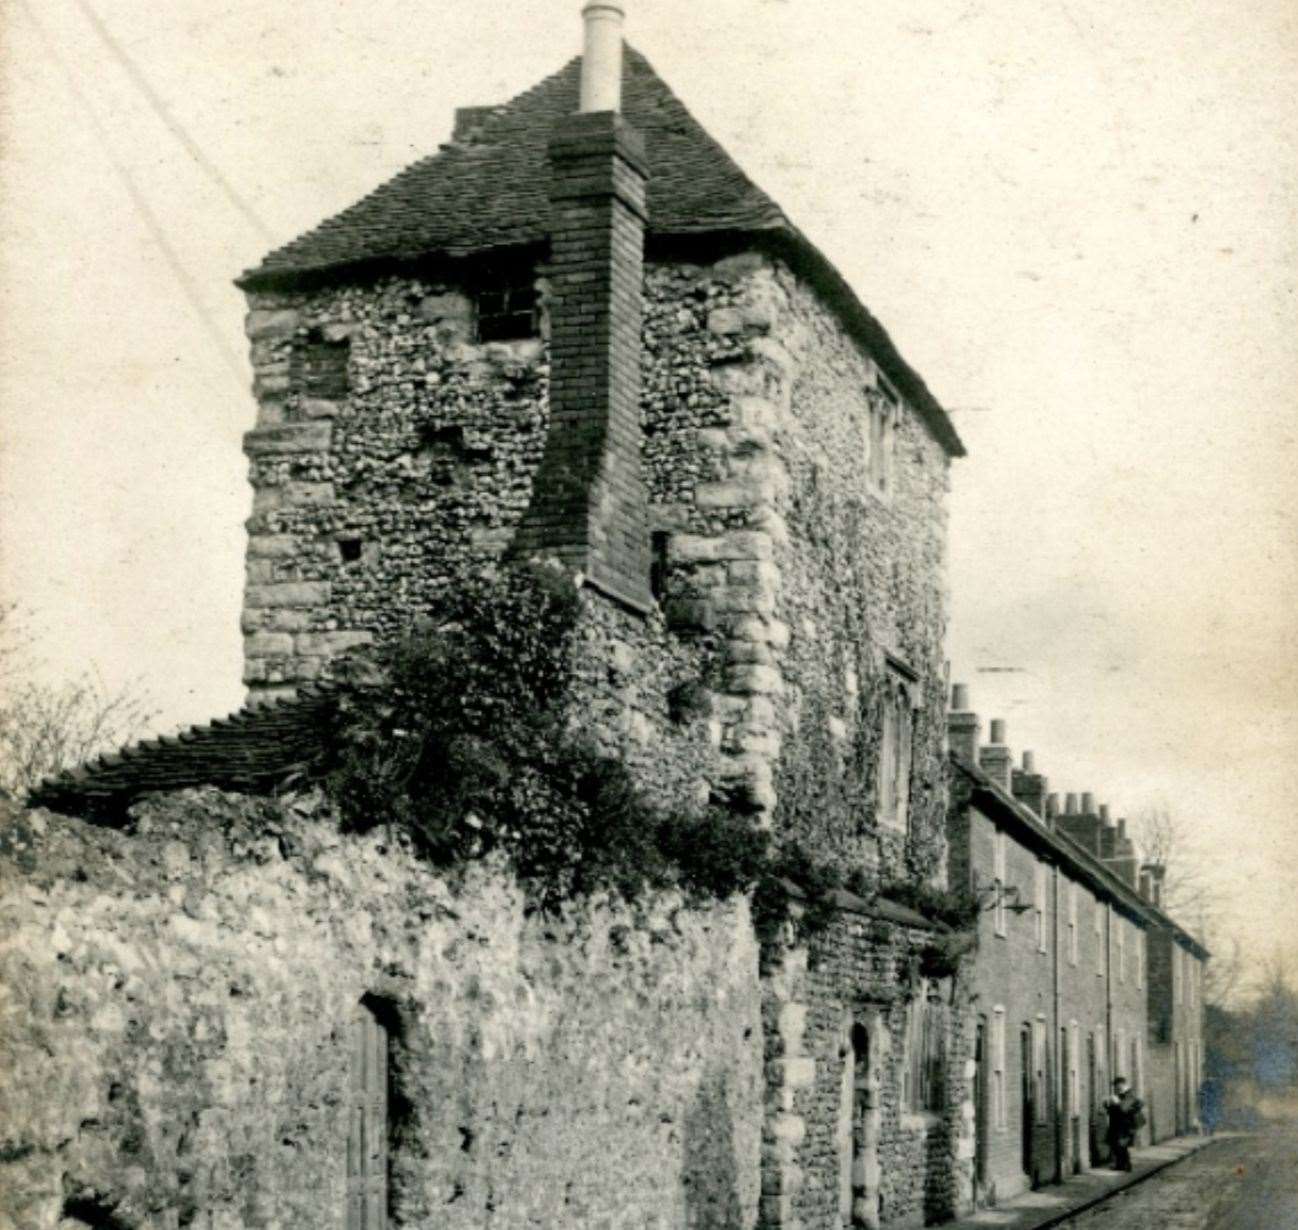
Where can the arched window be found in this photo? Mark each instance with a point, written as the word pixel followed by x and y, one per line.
pixel 897 733
pixel 368 1121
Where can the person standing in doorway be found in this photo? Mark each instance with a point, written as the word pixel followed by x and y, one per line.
pixel 1126 1114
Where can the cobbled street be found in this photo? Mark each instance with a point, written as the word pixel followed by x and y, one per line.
pixel 1246 1182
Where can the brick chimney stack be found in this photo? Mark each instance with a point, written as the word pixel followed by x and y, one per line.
pixel 589 508
pixel 1081 823
pixel 1029 786
pixel 994 758
pixel 962 726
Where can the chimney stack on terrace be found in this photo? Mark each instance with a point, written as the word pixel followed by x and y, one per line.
pixel 1081 823
pixel 1029 787
pixel 589 507
pixel 963 728
pixel 994 757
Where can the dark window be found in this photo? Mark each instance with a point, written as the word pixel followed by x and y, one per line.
pixel 658 563
pixel 322 366
pixel 507 307
pixel 349 550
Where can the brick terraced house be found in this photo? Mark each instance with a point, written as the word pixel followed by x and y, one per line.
pixel 1072 975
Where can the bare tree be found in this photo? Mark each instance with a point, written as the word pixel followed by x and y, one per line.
pixel 1187 893
pixel 1191 897
pixel 45 728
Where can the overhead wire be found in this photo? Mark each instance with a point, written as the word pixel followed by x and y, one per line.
pixel 173 125
pixel 188 285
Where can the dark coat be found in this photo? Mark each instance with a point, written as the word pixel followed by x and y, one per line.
pixel 1126 1114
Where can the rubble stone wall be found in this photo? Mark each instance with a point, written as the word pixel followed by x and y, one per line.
pixel 829 1151
pixel 174 1033
pixel 789 579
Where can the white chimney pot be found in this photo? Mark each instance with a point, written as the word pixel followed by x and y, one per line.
pixel 601 60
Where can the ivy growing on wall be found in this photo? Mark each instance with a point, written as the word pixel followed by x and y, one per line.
pixel 462 740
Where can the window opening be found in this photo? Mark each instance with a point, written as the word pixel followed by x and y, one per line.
pixel 1002 880
pixel 884 412
pixel 350 550
pixel 323 366
pixel 658 541
pixel 1039 905
pixel 1072 923
pixel 895 750
pixel 507 305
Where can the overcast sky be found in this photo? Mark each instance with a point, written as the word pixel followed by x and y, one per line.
pixel 1078 221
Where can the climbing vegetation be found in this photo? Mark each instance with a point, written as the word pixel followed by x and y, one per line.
pixel 462 740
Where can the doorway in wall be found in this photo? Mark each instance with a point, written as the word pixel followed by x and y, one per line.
pixel 982 1109
pixel 859 1125
pixel 1028 1103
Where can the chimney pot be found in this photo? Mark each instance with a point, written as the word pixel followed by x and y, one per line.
pixel 1122 828
pixel 997 731
pixel 1052 805
pixel 601 59
pixel 1088 803
pixel 1029 763
pixel 960 697
pixel 1070 804
pixel 1104 812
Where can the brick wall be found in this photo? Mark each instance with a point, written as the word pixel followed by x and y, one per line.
pixel 588 505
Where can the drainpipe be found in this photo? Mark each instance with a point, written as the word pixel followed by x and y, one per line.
pixel 1110 1061
pixel 1059 1050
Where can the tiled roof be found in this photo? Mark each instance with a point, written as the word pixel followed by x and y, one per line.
pixel 1074 857
pixel 253 750
pixel 490 191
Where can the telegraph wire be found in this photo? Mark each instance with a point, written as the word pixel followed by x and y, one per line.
pixel 160 109
pixel 150 219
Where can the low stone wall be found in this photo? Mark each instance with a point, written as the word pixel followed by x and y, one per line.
pixel 178 1018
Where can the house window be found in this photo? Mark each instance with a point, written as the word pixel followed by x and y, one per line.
pixel 1099 938
pixel 1039 904
pixel 507 306
pixel 367 1123
pixel 923 1067
pixel 1000 1113
pixel 322 366
pixel 1074 1068
pixel 897 735
pixel 658 544
pixel 885 411
pixel 999 846
pixel 1072 923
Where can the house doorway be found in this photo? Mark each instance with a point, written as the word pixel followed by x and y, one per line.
pixel 1028 1103
pixel 982 1110
pixel 859 1127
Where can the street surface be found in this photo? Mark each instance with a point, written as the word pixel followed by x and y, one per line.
pixel 1238 1183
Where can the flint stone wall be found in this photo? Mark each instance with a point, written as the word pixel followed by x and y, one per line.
pixel 173 1033
pixel 917 1168
pixel 786 576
